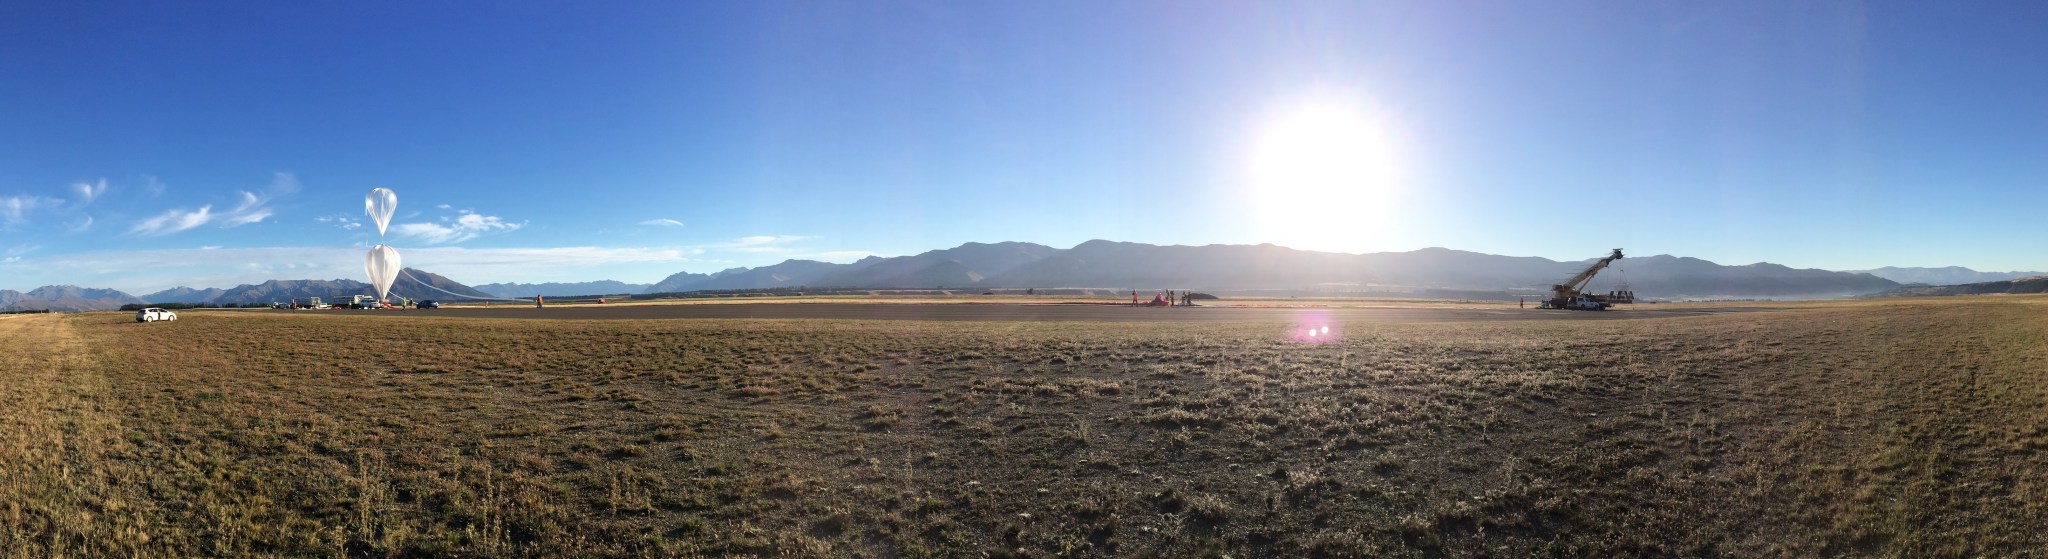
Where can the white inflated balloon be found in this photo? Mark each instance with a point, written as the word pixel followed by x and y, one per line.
pixel 379 203
pixel 382 265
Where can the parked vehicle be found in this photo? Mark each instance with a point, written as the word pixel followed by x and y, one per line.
pixel 428 304
pixel 154 314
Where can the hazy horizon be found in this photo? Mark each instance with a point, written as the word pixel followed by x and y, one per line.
pixel 329 263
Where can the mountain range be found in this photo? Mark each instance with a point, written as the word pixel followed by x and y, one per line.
pixel 64 298
pixel 1100 264
pixel 2034 284
pixel 528 290
pixel 1952 275
pixel 411 284
pixel 1269 268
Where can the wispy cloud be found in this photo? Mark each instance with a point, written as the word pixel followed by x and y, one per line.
pixel 662 223
pixel 151 185
pixel 250 207
pixel 283 183
pixel 458 229
pixel 89 191
pixel 14 209
pixel 757 240
pixel 80 226
pixel 250 210
pixel 173 221
pixel 759 244
pixel 343 221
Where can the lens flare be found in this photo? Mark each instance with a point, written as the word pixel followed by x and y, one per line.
pixel 1314 326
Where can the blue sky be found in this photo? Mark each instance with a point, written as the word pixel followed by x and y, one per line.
pixel 149 145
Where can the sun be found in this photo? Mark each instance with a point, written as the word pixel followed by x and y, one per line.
pixel 1322 172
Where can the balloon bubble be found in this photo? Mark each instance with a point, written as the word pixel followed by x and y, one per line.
pixel 379 203
pixel 382 266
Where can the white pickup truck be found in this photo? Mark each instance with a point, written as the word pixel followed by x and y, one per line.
pixel 154 314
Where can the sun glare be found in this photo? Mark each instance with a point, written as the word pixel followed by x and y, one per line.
pixel 1319 172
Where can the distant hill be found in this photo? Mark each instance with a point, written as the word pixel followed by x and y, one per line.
pixel 1101 264
pixel 1667 276
pixel 183 295
pixel 1951 275
pixel 1113 264
pixel 426 286
pixel 964 265
pixel 2036 284
pixel 65 298
pixel 524 290
pixel 790 273
pixel 685 281
pixel 1267 267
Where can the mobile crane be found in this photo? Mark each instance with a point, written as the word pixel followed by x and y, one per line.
pixel 1569 295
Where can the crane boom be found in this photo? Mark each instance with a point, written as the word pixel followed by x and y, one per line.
pixel 1568 295
pixel 1572 287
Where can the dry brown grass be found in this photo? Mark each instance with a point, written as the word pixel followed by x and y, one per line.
pixel 1912 428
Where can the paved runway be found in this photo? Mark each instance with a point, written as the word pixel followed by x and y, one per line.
pixel 1083 313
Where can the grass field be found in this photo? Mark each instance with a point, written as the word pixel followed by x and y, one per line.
pixel 1888 428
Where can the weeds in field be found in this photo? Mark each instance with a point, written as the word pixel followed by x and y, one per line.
pixel 1888 428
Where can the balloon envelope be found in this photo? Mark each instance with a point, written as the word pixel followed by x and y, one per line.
pixel 382 265
pixel 379 203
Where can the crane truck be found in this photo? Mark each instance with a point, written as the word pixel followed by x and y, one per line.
pixel 1570 295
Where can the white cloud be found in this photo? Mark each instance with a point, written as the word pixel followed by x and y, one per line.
pixel 244 218
pixel 341 220
pixel 662 223
pixel 250 207
pixel 762 244
pixel 282 183
pixel 443 206
pixel 173 221
pixel 81 226
pixel 14 208
pixel 462 228
pixel 89 191
pixel 757 240
pixel 153 186
pixel 250 210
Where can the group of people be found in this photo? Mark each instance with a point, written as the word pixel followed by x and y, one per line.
pixel 1168 298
